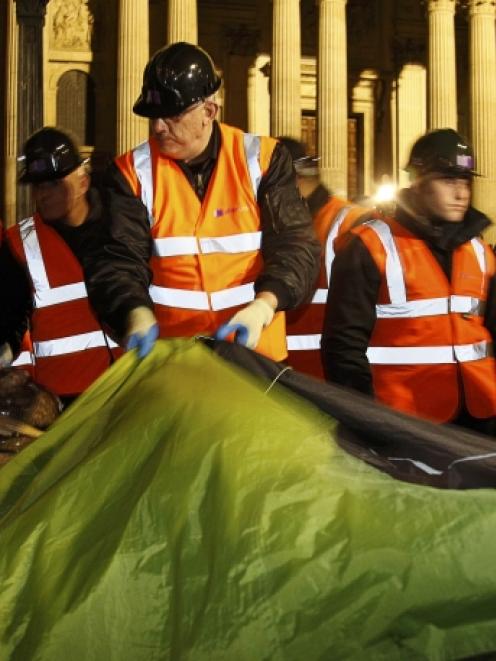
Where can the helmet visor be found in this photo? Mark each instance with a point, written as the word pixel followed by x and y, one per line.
pixel 46 166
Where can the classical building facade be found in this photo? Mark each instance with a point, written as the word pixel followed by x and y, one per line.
pixel 357 80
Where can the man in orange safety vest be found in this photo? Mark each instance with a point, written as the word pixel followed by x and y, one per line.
pixel 410 313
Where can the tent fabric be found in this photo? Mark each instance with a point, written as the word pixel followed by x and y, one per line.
pixel 406 447
pixel 178 511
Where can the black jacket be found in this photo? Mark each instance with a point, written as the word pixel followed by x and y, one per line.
pixel 15 299
pixel 354 286
pixel 118 275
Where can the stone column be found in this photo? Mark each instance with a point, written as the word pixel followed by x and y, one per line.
pixel 333 96
pixel 483 105
pixel 363 102
pixel 182 21
pixel 412 115
pixel 30 18
pixel 132 56
pixel 258 96
pixel 442 64
pixel 10 126
pixel 286 69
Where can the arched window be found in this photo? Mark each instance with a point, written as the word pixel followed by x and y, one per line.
pixel 76 105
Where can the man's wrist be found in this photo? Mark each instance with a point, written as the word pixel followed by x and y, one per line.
pixel 269 298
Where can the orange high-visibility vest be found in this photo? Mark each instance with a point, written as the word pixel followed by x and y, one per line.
pixel 429 347
pixel 69 348
pixel 206 254
pixel 304 325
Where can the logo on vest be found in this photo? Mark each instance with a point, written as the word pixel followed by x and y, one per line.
pixel 218 213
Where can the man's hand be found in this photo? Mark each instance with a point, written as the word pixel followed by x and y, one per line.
pixel 142 331
pixel 6 355
pixel 248 323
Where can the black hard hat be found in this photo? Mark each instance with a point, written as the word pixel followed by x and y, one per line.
pixel 305 166
pixel 444 151
pixel 176 77
pixel 48 154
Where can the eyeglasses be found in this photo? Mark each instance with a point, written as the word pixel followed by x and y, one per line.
pixel 175 119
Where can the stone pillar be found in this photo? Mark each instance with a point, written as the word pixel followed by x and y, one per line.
pixel 412 115
pixel 286 69
pixel 483 105
pixel 132 56
pixel 333 96
pixel 10 126
pixel 259 96
pixel 182 21
pixel 363 102
pixel 30 18
pixel 442 64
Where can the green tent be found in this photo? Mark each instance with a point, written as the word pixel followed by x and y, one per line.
pixel 178 511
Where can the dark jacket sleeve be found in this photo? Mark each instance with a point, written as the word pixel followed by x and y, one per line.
pixel 15 299
pixel 350 316
pixel 116 268
pixel 290 249
pixel 490 314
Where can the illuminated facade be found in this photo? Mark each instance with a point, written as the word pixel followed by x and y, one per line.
pixel 358 80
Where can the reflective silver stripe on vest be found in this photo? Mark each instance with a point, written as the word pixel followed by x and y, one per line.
pixel 190 245
pixel 24 358
pixel 467 305
pixel 411 309
pixel 303 342
pixel 63 294
pixel 64 345
pixel 44 295
pixel 175 246
pixel 235 243
pixel 480 253
pixel 199 300
pixel 320 296
pixel 229 298
pixel 179 298
pixel 333 232
pixel 395 279
pixel 252 153
pixel 143 168
pixel 32 251
pixel 429 355
pixel 431 306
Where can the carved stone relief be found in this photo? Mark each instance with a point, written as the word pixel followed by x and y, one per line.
pixel 72 25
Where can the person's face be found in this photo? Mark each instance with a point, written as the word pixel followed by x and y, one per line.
pixel 60 199
pixel 306 185
pixel 445 197
pixel 185 136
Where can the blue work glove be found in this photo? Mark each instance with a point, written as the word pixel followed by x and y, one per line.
pixel 247 324
pixel 142 331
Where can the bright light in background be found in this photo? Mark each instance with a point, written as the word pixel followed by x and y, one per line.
pixel 385 193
